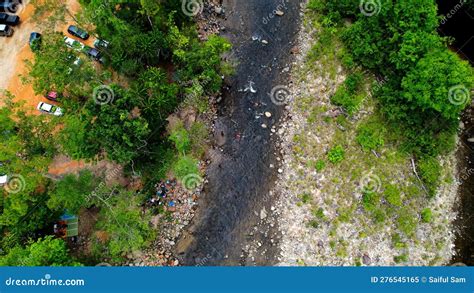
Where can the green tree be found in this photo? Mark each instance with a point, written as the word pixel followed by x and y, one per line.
pixel 25 153
pixel 71 193
pixel 155 96
pixel 127 227
pixel 429 85
pixel 44 252
pixel 58 68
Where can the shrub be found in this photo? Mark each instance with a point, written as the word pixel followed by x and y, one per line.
pixel 336 154
pixel 353 82
pixel 393 195
pixel 406 222
pixel 349 102
pixel 401 258
pixel 319 213
pixel 320 165
pixel 122 227
pixel 180 137
pixel 397 241
pixel 198 135
pixel 345 214
pixel 370 135
pixel 305 198
pixel 313 224
pixel 426 215
pixel 370 200
pixel 71 192
pixel 379 215
pixel 185 165
pixel 47 251
pixel 345 7
pixel 430 172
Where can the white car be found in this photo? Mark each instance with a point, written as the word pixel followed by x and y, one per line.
pixel 50 109
pixel 73 44
pixel 3 179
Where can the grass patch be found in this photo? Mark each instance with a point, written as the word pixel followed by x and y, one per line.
pixel 336 154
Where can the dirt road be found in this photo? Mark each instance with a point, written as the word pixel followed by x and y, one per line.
pixel 10 48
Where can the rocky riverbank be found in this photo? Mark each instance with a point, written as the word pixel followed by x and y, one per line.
pixel 320 211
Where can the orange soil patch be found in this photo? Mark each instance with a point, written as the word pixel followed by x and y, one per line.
pixel 62 165
pixel 24 92
pixel 11 49
pixel 112 172
pixel 18 46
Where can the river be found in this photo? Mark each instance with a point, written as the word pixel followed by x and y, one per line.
pixel 457 26
pixel 239 175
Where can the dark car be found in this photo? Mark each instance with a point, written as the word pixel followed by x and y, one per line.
pixel 77 32
pixel 10 6
pixel 35 41
pixel 5 30
pixel 9 19
pixel 101 44
pixel 92 53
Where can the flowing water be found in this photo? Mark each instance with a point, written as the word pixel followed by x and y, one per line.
pixel 239 176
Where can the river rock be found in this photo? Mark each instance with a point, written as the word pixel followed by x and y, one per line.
pixel 366 259
pixel 263 214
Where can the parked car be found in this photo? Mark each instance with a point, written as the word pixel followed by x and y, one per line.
pixel 53 96
pixel 9 19
pixel 49 109
pixel 77 32
pixel 10 6
pixel 5 30
pixel 3 179
pixel 93 53
pixel 101 44
pixel 35 41
pixel 73 44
